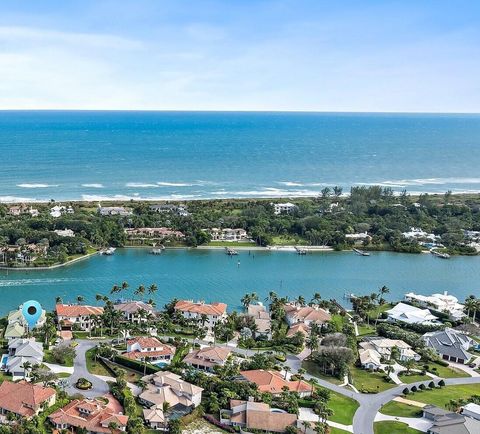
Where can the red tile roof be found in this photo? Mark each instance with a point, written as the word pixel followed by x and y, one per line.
pixel 23 398
pixel 273 382
pixel 76 310
pixel 201 308
pixel 145 342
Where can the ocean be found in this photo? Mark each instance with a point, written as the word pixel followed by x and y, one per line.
pixel 75 155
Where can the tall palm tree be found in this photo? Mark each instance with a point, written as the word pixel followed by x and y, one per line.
pixel 115 289
pixel 125 286
pixel 152 289
pixel 140 291
pixel 99 297
pixel 58 300
pixel 27 366
pixel 80 299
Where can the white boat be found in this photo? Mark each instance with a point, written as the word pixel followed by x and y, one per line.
pixel 440 254
pixel 361 252
pixel 109 251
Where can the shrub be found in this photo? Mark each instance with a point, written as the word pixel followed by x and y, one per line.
pixel 218 424
pixel 431 385
pixel 414 389
pixel 442 363
pixel 406 391
pixel 422 386
pixel 83 384
pixel 441 383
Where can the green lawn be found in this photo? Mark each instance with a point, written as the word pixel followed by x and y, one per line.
pixel 95 367
pixel 391 427
pixel 287 240
pixel 364 330
pixel 313 369
pixel 231 244
pixel 334 430
pixel 377 311
pixel 4 376
pixel 339 321
pixel 445 371
pixel 441 396
pixel 394 408
pixel 372 382
pixel 343 408
pixel 48 358
pixel 407 379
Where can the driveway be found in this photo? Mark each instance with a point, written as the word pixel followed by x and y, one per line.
pixel 100 387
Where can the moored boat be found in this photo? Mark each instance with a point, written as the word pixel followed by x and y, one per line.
pixel 361 252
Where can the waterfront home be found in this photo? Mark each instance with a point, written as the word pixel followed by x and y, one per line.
pixel 212 313
pixel 180 210
pixel 361 236
pixel 59 210
pixel 94 415
pixel 227 234
pixel 17 325
pixel 257 416
pixel 294 313
pixel 64 233
pixel 274 382
pixel 262 320
pixel 447 422
pixel 76 316
pixel 153 233
pixel 299 327
pixel 284 208
pixel 207 358
pixel 444 303
pixel 419 234
pixel 375 351
pixel 450 344
pixel 135 311
pixel 148 349
pixel 114 210
pixel 17 210
pixel 471 410
pixel 20 353
pixel 161 387
pixel 24 400
pixel 406 313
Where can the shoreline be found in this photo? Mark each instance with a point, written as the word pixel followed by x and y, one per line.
pixel 51 267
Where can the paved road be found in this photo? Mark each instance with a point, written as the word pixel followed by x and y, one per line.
pixel 100 387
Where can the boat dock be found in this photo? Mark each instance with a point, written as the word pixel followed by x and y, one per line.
pixel 230 252
pixel 440 254
pixel 300 251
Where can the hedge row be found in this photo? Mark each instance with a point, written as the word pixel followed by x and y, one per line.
pixel 135 365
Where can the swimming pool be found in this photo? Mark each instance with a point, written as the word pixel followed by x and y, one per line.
pixel 3 362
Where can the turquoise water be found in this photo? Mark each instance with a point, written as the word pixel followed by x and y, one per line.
pixel 181 155
pixel 211 275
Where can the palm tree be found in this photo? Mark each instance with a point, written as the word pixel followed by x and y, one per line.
pixel 306 425
pixel 27 366
pixel 99 297
pixel 316 298
pixel 337 191
pixel 80 299
pixel 140 291
pixel 58 300
pixel 287 369
pixel 409 364
pixel 115 289
pixel 142 384
pixel 152 289
pixel 471 305
pixel 300 300
pixel 125 286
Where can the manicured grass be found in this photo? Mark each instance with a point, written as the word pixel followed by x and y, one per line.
pixel 364 330
pixel 372 382
pixel 63 375
pixel 313 369
pixel 407 379
pixel 394 408
pixel 286 240
pixel 377 311
pixel 446 371
pixel 339 321
pixel 95 367
pixel 343 408
pixel 392 427
pixel 441 396
pixel 48 358
pixel 4 376
pixel 231 244
pixel 334 430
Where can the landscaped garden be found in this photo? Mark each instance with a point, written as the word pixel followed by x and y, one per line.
pixel 392 427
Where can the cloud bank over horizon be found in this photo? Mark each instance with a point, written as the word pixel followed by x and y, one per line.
pixel 306 55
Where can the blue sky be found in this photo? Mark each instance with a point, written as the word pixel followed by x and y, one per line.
pixel 405 55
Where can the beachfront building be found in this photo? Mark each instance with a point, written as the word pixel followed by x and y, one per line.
pixel 17 210
pixel 21 354
pixel 214 313
pixel 180 210
pixel 59 210
pixel 94 415
pixel 135 311
pixel 406 313
pixel 23 400
pixel 275 383
pixel 113 210
pixel 450 344
pixel 227 234
pixel 149 349
pixel 64 233
pixel 23 254
pixel 419 234
pixel 444 303
pixel 284 208
pixel 149 234
pixel 165 386
pixel 17 326
pixel 294 313
pixel 257 416
pixel 375 351
pixel 76 316
pixel 262 320
pixel 205 359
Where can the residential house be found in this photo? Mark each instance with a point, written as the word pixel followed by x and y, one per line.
pixel 64 233
pixel 17 210
pixel 299 327
pixel 450 344
pixel 133 310
pixel 165 386
pixel 149 349
pixel 262 320
pixel 153 234
pixel 59 210
pixel 227 234
pixel 17 325
pixel 71 316
pixel 361 236
pixel 180 210
pixel 406 313
pixel 284 208
pixel 257 416
pixel 273 382
pixel 94 415
pixel 214 313
pixel 24 400
pixel 207 358
pixel 419 234
pixel 439 302
pixel 471 410
pixel 374 352
pixel 114 210
pixel 308 315
pixel 447 422
pixel 20 353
